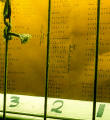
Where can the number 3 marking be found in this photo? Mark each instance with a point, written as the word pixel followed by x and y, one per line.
pixel 14 101
pixel 57 109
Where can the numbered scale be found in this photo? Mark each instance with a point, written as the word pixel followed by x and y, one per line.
pixel 30 107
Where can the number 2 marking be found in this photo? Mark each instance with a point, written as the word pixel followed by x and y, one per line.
pixel 14 101
pixel 57 109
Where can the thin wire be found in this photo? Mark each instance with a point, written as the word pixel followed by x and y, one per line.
pixel 96 60
pixel 6 63
pixel 47 62
pixel 5 80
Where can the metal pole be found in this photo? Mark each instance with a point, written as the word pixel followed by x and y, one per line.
pixel 96 60
pixel 7 16
pixel 47 62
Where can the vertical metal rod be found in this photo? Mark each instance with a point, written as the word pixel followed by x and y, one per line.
pixel 96 60
pixel 6 59
pixel 5 80
pixel 47 62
